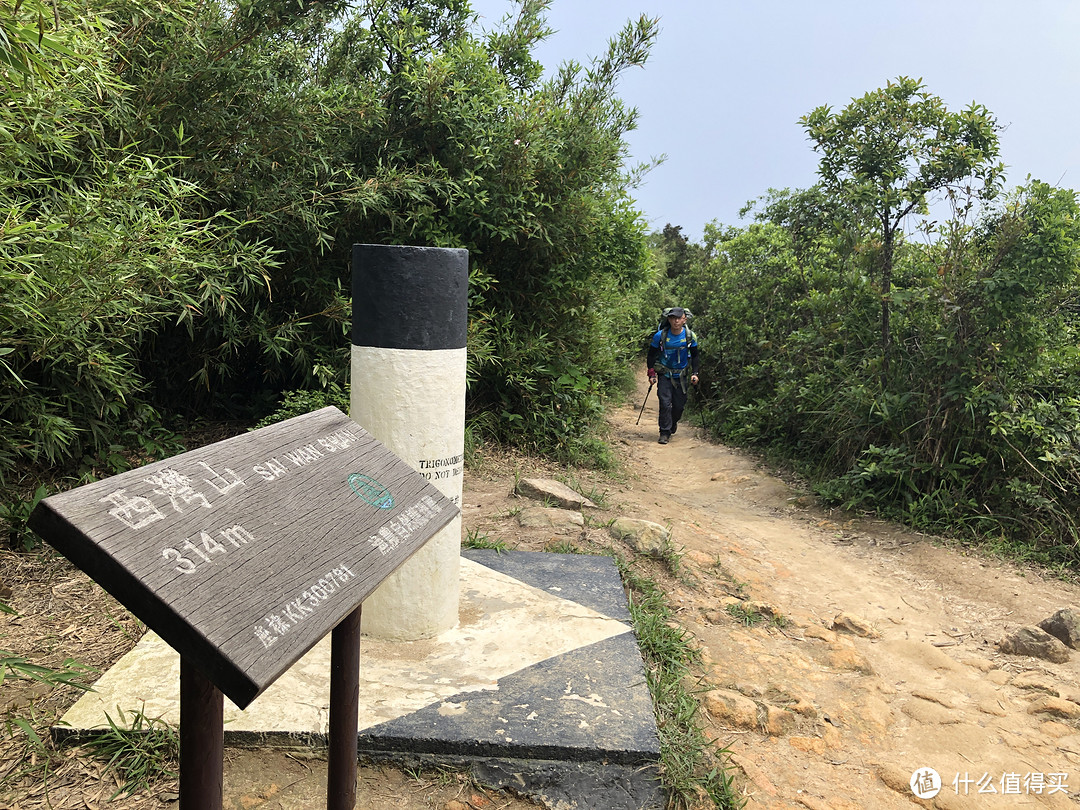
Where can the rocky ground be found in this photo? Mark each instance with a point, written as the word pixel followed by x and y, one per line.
pixel 840 656
pixel 876 651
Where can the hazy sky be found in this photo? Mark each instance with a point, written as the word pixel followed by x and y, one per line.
pixel 728 80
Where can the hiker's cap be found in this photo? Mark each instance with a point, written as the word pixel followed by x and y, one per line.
pixel 676 312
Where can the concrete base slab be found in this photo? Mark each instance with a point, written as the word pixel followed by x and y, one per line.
pixel 541 677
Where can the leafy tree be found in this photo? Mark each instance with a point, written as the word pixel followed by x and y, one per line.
pixel 886 152
pixel 29 44
pixel 978 436
pixel 97 254
pixel 179 210
pixel 675 252
pixel 813 218
pixel 983 438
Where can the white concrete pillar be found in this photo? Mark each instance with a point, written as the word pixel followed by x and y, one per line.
pixel 410 314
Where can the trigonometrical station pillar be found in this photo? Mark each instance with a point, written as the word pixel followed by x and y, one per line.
pixel 410 317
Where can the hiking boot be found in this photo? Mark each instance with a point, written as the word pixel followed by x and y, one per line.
pixel 664 438
pixel 674 428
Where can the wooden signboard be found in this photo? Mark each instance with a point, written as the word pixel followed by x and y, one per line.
pixel 243 554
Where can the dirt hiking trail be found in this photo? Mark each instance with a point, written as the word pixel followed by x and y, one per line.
pixel 885 660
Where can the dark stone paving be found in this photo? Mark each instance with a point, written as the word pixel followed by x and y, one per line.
pixel 576 730
pixel 589 580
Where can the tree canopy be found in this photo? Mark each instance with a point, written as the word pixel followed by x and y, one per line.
pixel 885 153
pixel 184 182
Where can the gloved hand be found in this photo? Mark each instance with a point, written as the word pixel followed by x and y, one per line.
pixel 652 375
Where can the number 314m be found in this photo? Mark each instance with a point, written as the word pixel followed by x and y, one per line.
pixel 197 554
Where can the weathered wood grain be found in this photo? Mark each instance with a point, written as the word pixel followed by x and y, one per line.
pixel 244 553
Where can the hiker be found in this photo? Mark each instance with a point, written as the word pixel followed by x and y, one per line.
pixel 673 351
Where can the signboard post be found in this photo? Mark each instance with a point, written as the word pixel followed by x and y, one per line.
pixel 243 554
pixel 202 740
pixel 344 710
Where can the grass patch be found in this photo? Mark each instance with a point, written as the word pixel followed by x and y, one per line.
pixel 745 613
pixel 687 769
pixel 426 773
pixel 146 751
pixel 475 538
pixel 671 555
pixel 751 615
pixel 600 497
pixel 596 523
pixel 739 587
pixel 563 547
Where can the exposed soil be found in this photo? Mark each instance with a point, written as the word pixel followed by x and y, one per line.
pixel 840 655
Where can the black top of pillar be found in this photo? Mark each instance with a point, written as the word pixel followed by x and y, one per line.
pixel 410 297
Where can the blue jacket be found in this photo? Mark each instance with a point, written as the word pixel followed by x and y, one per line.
pixel 671 354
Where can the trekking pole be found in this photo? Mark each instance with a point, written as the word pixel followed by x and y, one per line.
pixel 638 422
pixel 699 395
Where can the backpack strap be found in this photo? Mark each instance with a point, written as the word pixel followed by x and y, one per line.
pixel 690 338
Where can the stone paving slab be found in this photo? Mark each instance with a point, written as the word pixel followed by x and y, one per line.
pixel 542 669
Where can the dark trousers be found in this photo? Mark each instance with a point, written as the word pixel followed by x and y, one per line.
pixel 672 397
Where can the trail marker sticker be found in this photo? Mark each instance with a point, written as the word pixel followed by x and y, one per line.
pixel 371 491
pixel 245 553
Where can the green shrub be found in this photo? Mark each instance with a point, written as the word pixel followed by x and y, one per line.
pixel 976 433
pixel 298 403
